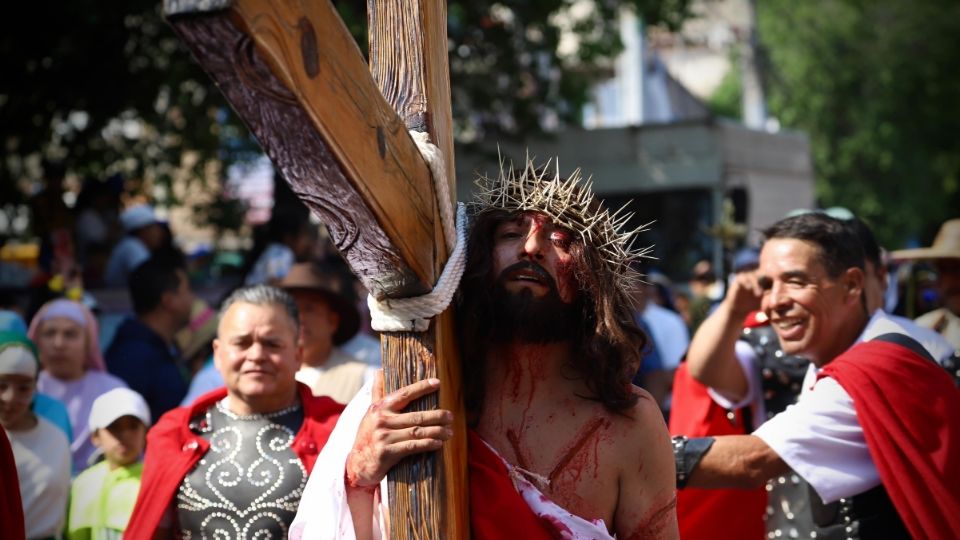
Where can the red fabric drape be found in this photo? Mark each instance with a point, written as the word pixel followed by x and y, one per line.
pixel 715 514
pixel 909 410
pixel 497 511
pixel 11 506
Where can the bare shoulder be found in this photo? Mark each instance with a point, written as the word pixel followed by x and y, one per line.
pixel 643 423
pixel 647 504
pixel 644 452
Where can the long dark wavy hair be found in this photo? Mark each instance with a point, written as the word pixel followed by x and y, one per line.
pixel 607 343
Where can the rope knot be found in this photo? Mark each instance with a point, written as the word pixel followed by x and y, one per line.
pixel 414 314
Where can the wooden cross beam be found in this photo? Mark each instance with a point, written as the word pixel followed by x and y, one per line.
pixel 339 137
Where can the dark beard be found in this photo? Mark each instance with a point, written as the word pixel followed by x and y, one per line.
pixel 522 317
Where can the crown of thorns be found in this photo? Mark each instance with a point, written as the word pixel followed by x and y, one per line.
pixel 570 203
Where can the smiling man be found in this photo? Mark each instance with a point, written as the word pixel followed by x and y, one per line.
pixel 237 460
pixel 875 431
pixel 560 440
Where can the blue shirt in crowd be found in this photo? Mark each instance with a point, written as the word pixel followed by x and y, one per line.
pixel 147 363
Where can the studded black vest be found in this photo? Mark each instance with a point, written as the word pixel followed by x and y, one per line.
pixel 248 485
pixel 781 378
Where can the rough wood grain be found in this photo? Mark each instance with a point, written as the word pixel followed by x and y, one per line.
pixel 294 75
pixel 363 173
pixel 428 497
pixel 411 68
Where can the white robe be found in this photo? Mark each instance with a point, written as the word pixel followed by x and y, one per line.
pixel 324 515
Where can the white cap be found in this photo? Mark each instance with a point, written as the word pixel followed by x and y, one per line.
pixel 116 403
pixel 16 359
pixel 138 216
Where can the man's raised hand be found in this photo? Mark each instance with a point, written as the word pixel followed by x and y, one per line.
pixel 387 434
pixel 744 294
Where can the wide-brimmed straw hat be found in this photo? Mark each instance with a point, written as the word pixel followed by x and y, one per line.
pixel 945 246
pixel 312 278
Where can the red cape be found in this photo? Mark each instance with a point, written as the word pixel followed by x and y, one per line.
pixel 497 510
pixel 715 514
pixel 11 506
pixel 173 449
pixel 909 410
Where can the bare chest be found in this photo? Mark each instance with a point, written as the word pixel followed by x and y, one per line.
pixel 569 457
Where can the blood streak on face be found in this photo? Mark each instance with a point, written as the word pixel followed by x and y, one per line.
pixel 567 285
pixel 535 238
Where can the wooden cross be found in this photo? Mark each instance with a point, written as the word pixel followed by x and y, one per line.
pixel 339 137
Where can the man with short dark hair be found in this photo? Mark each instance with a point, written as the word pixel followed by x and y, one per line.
pixel 235 462
pixel 749 379
pixel 875 431
pixel 143 352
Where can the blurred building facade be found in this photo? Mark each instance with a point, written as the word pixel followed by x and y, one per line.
pixel 650 139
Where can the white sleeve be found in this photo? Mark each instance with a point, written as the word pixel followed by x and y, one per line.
pixel 820 438
pixel 369 374
pixel 323 513
pixel 747 359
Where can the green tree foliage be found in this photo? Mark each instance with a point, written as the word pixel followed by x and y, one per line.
pixel 727 99
pixel 106 88
pixel 876 85
pixel 506 74
pixel 109 87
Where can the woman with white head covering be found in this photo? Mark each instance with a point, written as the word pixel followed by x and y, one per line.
pixel 66 335
pixel 41 450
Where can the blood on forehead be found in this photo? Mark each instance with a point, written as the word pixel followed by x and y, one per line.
pixel 541 220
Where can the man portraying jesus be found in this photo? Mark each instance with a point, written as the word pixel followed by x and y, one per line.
pixel 561 444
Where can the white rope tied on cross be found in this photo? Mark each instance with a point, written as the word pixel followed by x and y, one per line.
pixel 414 314
pixel 438 170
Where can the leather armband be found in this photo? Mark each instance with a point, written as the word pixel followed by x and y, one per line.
pixel 687 453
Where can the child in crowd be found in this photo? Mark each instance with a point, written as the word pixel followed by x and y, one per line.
pixel 40 449
pixel 103 496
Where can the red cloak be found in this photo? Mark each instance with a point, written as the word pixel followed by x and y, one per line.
pixel 717 514
pixel 497 510
pixel 909 410
pixel 11 506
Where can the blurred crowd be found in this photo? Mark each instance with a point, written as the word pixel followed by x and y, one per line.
pixel 83 376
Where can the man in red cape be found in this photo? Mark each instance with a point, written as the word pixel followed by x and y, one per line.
pixel 875 431
pixel 237 459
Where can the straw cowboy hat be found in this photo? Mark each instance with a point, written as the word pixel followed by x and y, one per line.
pixel 312 278
pixel 945 246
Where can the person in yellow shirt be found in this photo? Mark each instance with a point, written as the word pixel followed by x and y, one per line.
pixel 102 496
